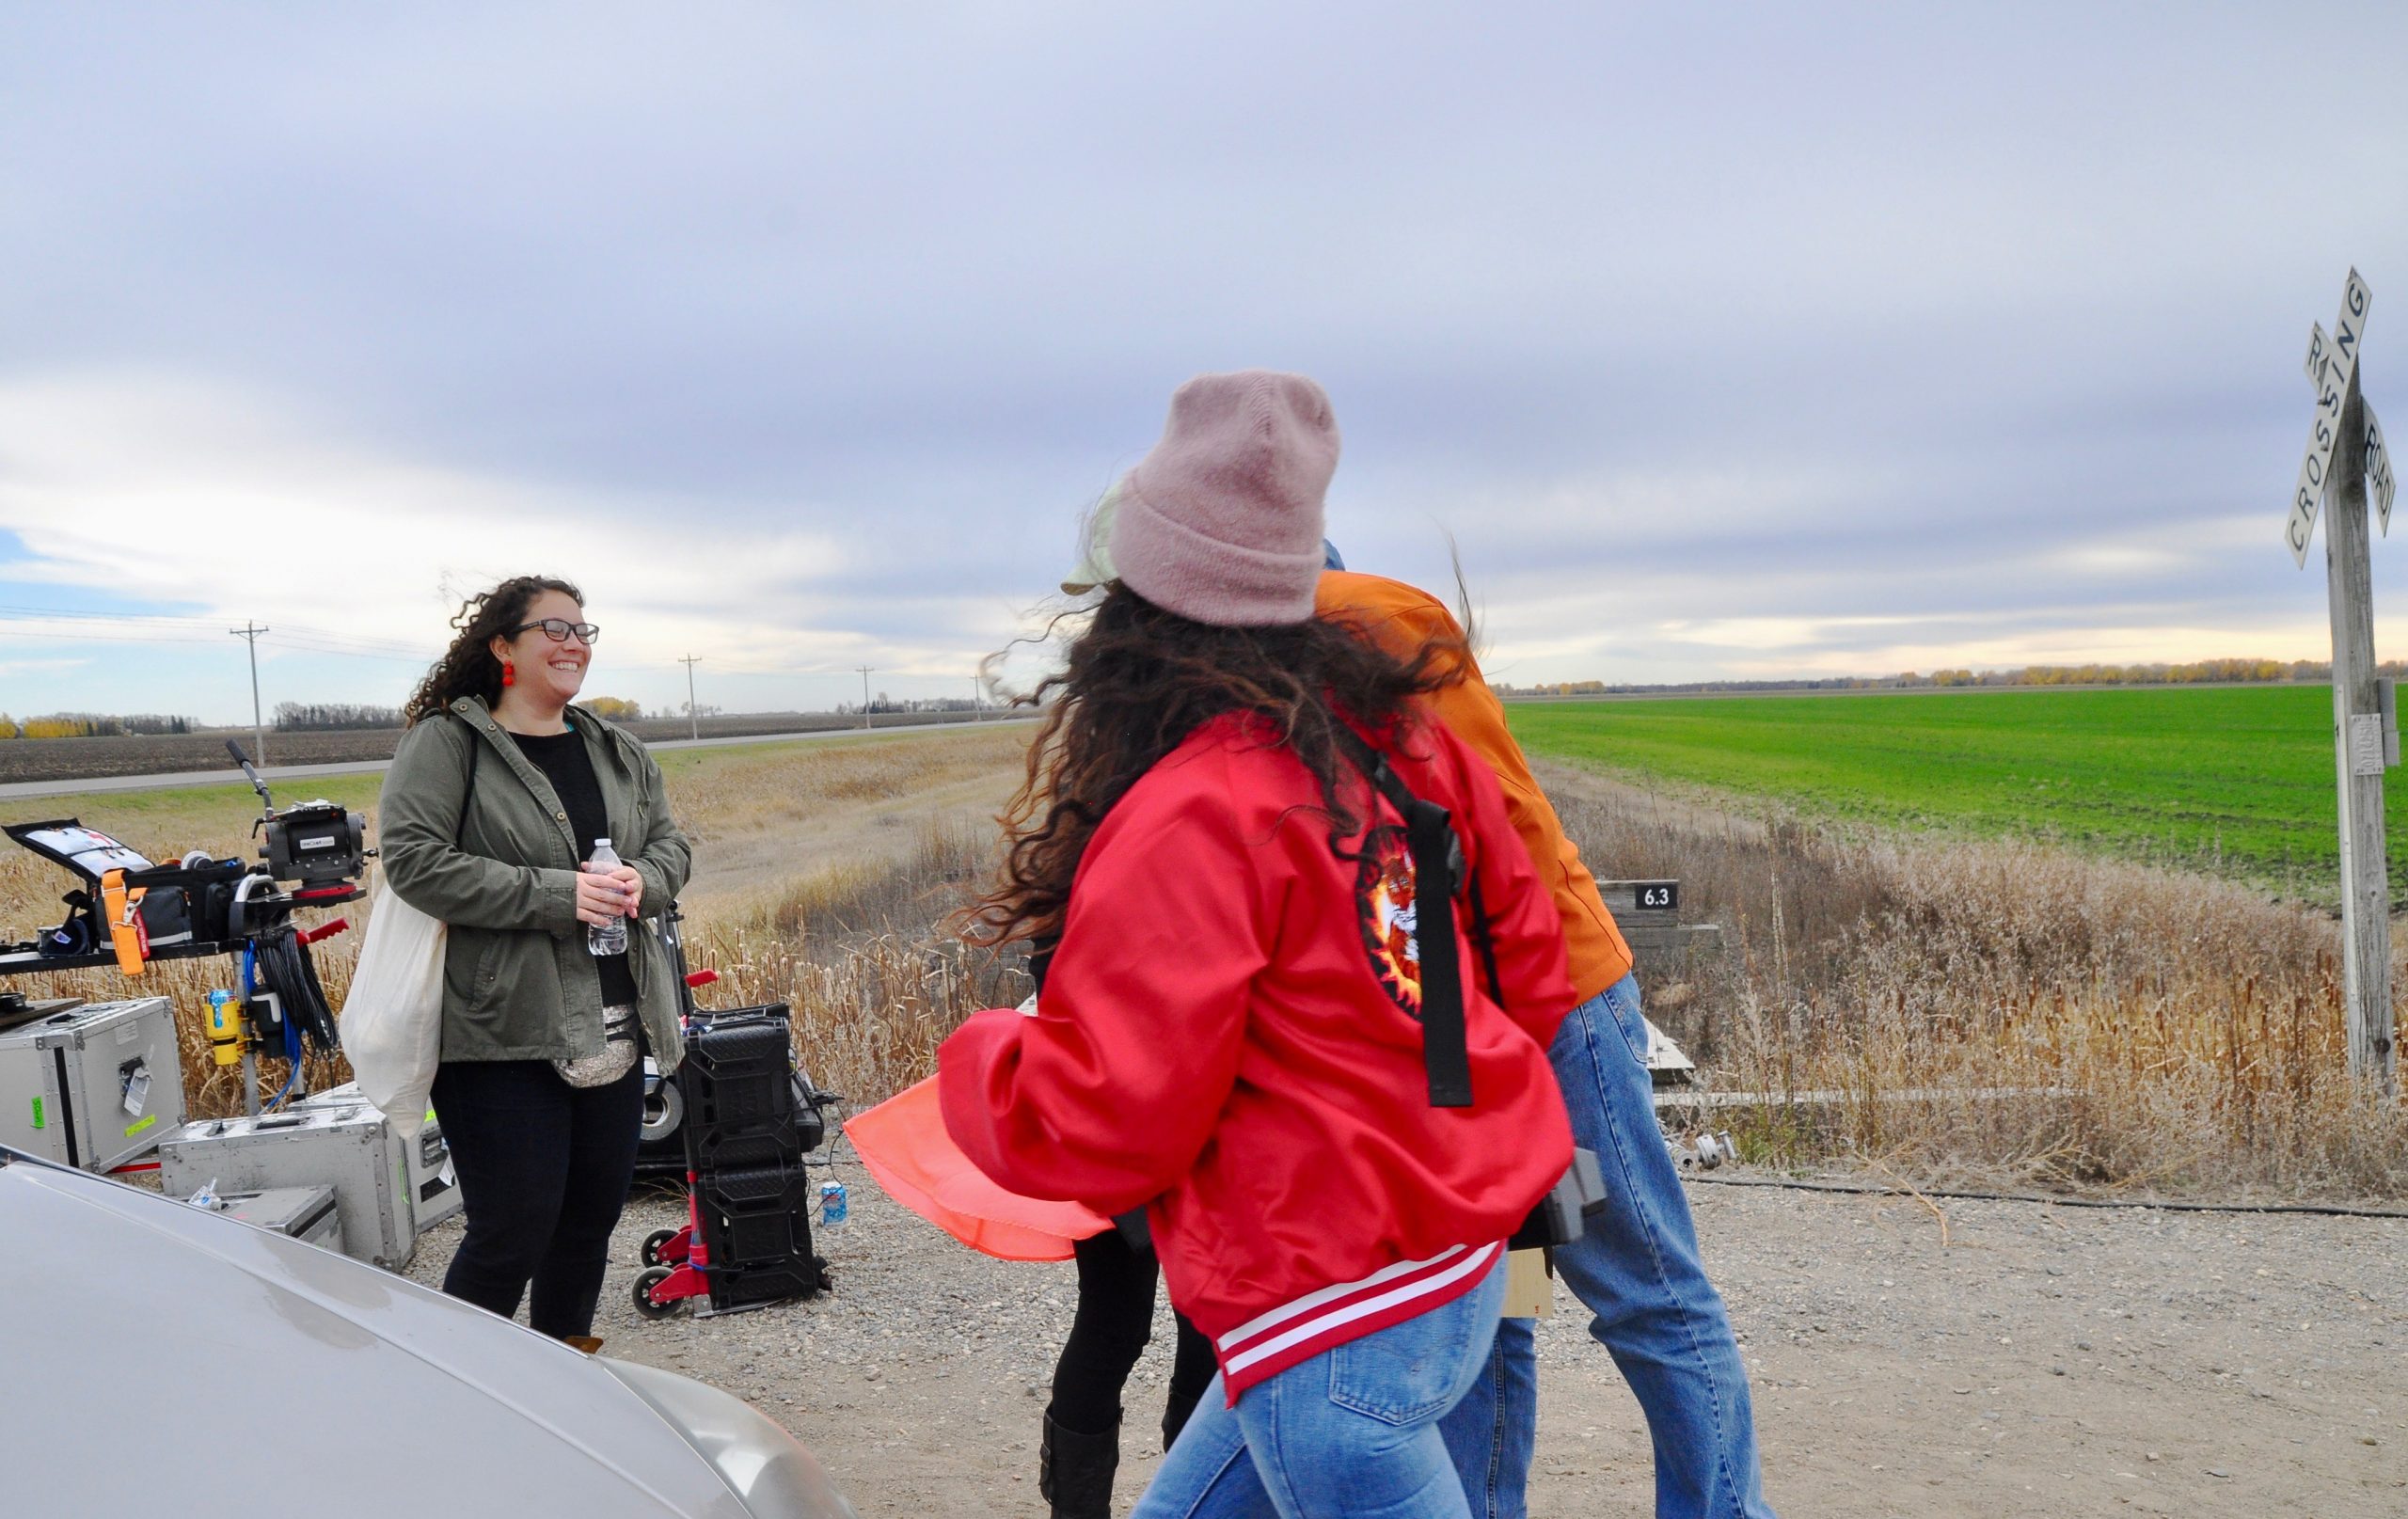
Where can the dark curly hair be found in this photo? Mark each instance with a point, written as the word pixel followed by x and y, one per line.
pixel 1139 680
pixel 468 668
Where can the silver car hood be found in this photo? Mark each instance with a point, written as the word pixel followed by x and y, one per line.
pixel 164 1359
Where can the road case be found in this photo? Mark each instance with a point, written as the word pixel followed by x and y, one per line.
pixel 304 1213
pixel 757 1226
pixel 94 1086
pixel 352 1149
pixel 434 1185
pixel 16 1007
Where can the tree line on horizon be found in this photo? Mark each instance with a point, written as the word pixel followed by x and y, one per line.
pixel 2199 673
pixel 338 717
pixel 94 725
pixel 291 716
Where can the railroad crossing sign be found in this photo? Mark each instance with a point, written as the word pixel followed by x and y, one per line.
pixel 2379 478
pixel 2330 366
pixel 2345 456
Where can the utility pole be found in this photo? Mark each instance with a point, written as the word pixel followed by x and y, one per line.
pixel 258 731
pixel 977 702
pixel 865 671
pixel 693 713
pixel 2345 445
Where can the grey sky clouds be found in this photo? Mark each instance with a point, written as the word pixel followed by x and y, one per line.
pixel 1757 340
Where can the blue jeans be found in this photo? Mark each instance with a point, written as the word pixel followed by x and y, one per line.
pixel 1353 1431
pixel 1492 1432
pixel 1638 1270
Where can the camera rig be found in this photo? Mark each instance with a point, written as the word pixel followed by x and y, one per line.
pixel 126 913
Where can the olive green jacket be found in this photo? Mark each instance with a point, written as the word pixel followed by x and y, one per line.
pixel 518 983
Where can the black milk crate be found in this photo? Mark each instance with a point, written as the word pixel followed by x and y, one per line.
pixel 737 1081
pixel 755 1286
pixel 757 1226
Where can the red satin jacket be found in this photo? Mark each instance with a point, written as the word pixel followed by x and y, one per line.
pixel 1230 1034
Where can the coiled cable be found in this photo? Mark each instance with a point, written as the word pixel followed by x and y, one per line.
pixel 286 967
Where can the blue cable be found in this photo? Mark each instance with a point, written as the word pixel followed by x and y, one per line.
pixel 291 1035
pixel 291 1072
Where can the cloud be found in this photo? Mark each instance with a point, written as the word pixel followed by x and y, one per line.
pixel 800 335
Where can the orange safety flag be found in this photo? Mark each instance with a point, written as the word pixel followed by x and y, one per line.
pixel 903 1143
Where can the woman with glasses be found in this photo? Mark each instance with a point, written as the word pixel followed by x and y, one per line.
pixel 496 801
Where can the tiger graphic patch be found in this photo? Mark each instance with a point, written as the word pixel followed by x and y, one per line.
pixel 1386 907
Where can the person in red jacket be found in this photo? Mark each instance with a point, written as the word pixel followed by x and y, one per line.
pixel 1230 1032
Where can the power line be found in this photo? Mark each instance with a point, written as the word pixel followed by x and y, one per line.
pixel 107 637
pixel 318 641
pixel 65 615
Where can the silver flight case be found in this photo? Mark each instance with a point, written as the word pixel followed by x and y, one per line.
pixel 434 1186
pixel 92 1086
pixel 304 1213
pixel 351 1149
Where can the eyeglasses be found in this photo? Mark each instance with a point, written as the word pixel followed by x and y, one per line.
pixel 558 630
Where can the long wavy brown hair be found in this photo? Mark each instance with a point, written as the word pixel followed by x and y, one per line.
pixel 1139 681
pixel 468 668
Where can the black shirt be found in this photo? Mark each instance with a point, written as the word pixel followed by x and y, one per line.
pixel 563 760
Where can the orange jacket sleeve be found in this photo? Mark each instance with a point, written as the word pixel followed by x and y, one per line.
pixel 1401 619
pixel 1524 931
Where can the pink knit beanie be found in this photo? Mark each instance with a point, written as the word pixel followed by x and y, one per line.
pixel 1221 522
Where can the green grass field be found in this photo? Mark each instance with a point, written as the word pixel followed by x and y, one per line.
pixel 2239 781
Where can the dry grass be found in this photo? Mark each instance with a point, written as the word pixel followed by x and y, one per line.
pixel 2169 1034
pixel 860 953
pixel 2165 1032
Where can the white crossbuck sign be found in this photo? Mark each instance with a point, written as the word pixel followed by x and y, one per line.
pixel 2377 457
pixel 2331 363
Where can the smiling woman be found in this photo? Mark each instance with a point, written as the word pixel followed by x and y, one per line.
pixel 514 818
pixel 494 632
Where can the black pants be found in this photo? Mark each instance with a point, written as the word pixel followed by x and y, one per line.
pixel 544 1171
pixel 1114 1320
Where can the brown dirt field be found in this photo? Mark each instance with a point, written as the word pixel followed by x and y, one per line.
pixel 79 759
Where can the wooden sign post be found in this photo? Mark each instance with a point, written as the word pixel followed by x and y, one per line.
pixel 2344 446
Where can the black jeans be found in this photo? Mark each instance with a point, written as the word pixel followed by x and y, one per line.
pixel 1114 1320
pixel 544 1171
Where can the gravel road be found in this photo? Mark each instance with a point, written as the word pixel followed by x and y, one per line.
pixel 2046 1361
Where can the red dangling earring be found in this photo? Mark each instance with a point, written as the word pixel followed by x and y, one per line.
pixel 509 674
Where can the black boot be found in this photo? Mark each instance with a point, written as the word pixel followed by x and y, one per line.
pixel 1074 1470
pixel 1175 1414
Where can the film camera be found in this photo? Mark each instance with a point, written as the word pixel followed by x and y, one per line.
pixel 319 846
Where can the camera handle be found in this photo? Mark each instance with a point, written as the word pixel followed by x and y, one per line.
pixel 267 803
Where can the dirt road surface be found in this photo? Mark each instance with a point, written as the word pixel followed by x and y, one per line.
pixel 2046 1361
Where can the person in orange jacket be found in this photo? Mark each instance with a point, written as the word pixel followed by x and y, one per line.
pixel 1636 1267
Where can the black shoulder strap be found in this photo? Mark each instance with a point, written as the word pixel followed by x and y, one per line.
pixel 1438 868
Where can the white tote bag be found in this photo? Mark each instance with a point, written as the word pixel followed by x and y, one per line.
pixel 392 1020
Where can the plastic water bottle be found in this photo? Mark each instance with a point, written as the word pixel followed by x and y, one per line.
pixel 832 1206
pixel 606 938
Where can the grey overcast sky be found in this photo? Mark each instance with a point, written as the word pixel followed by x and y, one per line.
pixel 1740 340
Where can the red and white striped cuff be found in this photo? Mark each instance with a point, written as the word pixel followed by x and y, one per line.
pixel 1298 1330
